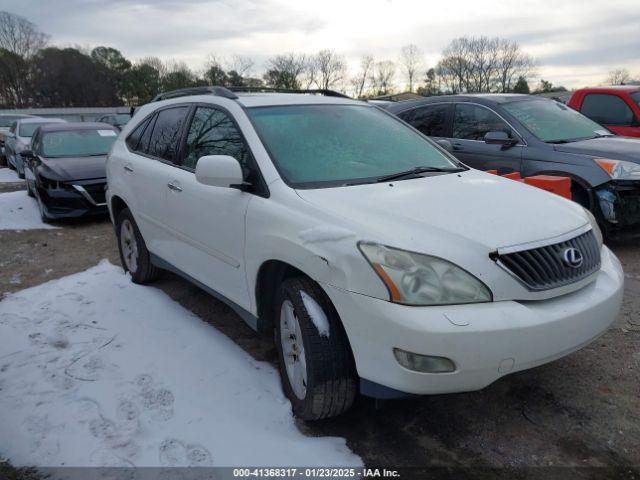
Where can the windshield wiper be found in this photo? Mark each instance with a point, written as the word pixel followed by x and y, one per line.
pixel 416 171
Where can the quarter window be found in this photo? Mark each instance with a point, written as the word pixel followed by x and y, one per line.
pixel 607 109
pixel 165 139
pixel 472 122
pixel 212 132
pixel 432 121
pixel 134 138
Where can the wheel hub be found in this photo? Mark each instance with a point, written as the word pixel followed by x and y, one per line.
pixel 129 246
pixel 293 350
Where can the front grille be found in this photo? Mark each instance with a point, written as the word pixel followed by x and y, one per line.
pixel 96 191
pixel 545 267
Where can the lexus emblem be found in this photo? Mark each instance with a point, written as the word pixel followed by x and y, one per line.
pixel 572 257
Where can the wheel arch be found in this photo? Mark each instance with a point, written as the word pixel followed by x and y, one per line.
pixel 270 275
pixel 117 205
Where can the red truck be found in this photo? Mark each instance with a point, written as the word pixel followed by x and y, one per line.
pixel 617 108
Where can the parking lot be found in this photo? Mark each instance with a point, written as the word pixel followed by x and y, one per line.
pixel 582 410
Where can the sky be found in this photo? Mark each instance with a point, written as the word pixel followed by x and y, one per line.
pixel 576 42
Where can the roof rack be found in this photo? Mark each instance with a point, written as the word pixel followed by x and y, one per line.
pixel 228 92
pixel 183 92
pixel 320 91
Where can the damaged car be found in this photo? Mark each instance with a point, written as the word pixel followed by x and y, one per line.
pixel 65 170
pixel 377 262
pixel 538 136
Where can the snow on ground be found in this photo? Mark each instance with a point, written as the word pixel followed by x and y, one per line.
pixel 18 211
pixel 98 371
pixel 7 175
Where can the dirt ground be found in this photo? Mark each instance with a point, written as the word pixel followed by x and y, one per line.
pixel 580 411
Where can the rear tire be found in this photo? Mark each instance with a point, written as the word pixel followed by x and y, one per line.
pixel 134 255
pixel 325 381
pixel 29 191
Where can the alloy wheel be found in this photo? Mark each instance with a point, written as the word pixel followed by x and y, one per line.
pixel 129 246
pixel 293 350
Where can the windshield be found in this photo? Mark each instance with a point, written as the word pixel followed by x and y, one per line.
pixel 331 145
pixel 77 143
pixel 6 121
pixel 554 122
pixel 27 129
pixel 121 119
pixel 636 97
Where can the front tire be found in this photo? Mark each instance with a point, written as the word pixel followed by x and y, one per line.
pixel 134 255
pixel 316 367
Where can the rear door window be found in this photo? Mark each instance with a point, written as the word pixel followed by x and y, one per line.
pixel 431 120
pixel 473 122
pixel 607 109
pixel 165 139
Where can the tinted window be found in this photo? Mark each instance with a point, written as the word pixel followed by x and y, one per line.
pixel 432 121
pixel 330 145
pixel 165 138
pixel 635 96
pixel 78 143
pixel 212 132
pixel 607 109
pixel 472 122
pixel 134 137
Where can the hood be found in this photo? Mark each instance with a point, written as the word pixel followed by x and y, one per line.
pixel 74 168
pixel 465 209
pixel 615 147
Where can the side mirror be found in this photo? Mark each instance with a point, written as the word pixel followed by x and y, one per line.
pixel 499 138
pixel 446 144
pixel 219 171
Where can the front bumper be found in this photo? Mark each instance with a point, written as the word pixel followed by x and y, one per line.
pixel 74 199
pixel 485 341
pixel 619 207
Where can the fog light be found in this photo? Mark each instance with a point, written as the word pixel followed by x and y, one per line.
pixel 423 363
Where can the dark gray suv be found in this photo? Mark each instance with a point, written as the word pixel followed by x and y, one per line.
pixel 534 136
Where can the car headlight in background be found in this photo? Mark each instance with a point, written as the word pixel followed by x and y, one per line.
pixel 418 279
pixel 596 228
pixel 619 169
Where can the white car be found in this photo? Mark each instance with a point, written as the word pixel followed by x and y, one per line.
pixel 379 263
pixel 18 139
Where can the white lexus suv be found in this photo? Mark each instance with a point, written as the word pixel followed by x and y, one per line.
pixel 380 264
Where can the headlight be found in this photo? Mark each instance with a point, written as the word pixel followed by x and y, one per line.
pixel 50 184
pixel 417 279
pixel 596 229
pixel 619 169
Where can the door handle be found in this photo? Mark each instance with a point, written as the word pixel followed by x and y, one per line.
pixel 127 168
pixel 458 146
pixel 174 187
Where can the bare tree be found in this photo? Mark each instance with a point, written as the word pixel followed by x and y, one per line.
pixel 360 82
pixel 241 64
pixel 513 64
pixel 411 59
pixel 482 64
pixel 286 71
pixel 382 77
pixel 329 68
pixel 18 35
pixel 619 76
